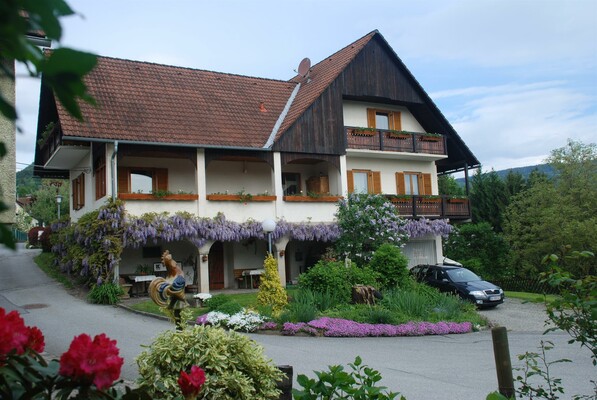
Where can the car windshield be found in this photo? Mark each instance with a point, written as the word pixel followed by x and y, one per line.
pixel 462 275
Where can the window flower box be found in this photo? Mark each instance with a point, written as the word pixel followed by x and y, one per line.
pixel 367 132
pixel 431 137
pixel 399 135
pixel 151 197
pixel 240 198
pixel 320 199
pixel 457 200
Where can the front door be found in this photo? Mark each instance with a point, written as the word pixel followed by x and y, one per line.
pixel 216 266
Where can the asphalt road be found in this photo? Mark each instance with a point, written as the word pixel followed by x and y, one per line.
pixel 430 367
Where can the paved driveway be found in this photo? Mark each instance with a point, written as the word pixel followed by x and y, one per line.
pixel 431 367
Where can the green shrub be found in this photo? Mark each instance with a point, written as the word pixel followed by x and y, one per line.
pixel 299 312
pixel 234 365
pixel 391 265
pixel 216 302
pixel 359 384
pixel 229 307
pixel 335 277
pixel 106 293
pixel 379 315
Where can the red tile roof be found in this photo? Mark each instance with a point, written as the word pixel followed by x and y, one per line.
pixel 145 102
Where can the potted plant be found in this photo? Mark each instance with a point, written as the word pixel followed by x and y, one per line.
pixel 392 134
pixel 430 137
pixel 364 132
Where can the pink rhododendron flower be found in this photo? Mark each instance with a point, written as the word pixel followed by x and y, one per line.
pixel 190 384
pixel 94 361
pixel 16 336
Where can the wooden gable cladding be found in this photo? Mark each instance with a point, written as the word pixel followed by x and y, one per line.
pixel 238 155
pixel 377 73
pixel 320 129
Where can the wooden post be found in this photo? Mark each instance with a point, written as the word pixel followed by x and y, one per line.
pixel 285 385
pixel 503 365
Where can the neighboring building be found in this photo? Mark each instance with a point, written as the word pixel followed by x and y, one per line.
pixel 8 174
pixel 356 121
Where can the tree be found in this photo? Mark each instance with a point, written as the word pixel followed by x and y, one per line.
pixel 366 222
pixel 488 198
pixel 63 68
pixel 514 183
pixel 479 248
pixel 44 207
pixel 449 186
pixel 549 215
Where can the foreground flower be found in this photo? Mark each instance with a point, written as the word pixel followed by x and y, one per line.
pixel 94 361
pixel 16 336
pixel 190 384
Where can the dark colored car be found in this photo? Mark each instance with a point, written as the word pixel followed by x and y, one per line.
pixel 461 281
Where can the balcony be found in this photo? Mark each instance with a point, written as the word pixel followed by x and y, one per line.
pixel 431 206
pixel 397 141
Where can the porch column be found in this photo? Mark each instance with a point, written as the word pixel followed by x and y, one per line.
pixel 278 189
pixel 201 182
pixel 343 177
pixel 204 267
pixel 281 244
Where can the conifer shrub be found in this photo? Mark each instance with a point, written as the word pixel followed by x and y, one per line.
pixel 235 366
pixel 271 293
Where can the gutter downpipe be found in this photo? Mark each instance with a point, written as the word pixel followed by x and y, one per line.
pixel 113 176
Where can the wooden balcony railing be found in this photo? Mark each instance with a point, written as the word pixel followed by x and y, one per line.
pixel 402 141
pixel 432 206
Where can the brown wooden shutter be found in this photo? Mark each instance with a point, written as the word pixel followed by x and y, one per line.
pixel 124 183
pixel 400 188
pixel 376 182
pixel 350 180
pixel 160 179
pixel 425 179
pixel 395 121
pixel 371 117
pixel 82 191
pixel 73 188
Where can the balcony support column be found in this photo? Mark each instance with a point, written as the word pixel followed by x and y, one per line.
pixel 201 176
pixel 277 183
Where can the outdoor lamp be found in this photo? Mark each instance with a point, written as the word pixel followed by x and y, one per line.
pixel 268 226
pixel 58 201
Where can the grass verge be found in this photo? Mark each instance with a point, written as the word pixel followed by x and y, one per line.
pixel 532 297
pixel 45 262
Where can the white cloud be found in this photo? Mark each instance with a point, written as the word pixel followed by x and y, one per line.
pixel 516 125
pixel 504 33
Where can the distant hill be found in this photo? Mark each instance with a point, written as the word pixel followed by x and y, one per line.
pixel 26 182
pixel 524 171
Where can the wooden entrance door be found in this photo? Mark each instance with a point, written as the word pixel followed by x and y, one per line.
pixel 216 266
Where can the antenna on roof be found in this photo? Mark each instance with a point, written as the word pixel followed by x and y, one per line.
pixel 304 68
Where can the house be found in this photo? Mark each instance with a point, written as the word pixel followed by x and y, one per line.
pixel 172 139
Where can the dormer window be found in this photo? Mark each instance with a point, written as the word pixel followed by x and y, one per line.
pixel 383 119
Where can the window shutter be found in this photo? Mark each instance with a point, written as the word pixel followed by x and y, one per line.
pixel 81 178
pixel 160 179
pixel 73 188
pixel 395 121
pixel 425 179
pixel 371 118
pixel 123 180
pixel 350 181
pixel 376 182
pixel 400 189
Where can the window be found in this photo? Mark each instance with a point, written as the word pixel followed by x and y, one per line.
pixel 383 119
pixel 291 183
pixel 142 180
pixel 78 189
pixel 99 172
pixel 364 181
pixel 413 183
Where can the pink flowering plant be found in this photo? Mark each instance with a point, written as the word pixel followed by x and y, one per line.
pixel 88 370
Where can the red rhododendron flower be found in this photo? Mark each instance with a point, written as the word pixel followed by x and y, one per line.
pixel 94 361
pixel 190 384
pixel 14 335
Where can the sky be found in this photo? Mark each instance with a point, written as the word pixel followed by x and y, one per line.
pixel 516 79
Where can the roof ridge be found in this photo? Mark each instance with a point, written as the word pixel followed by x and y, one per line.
pixel 190 68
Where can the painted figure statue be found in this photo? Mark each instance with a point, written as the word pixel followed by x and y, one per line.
pixel 169 291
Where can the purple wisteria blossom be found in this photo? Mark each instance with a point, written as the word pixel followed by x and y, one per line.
pixel 416 228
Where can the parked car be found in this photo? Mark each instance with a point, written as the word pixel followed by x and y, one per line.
pixel 461 281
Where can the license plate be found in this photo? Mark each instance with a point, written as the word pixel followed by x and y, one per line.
pixel 494 298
